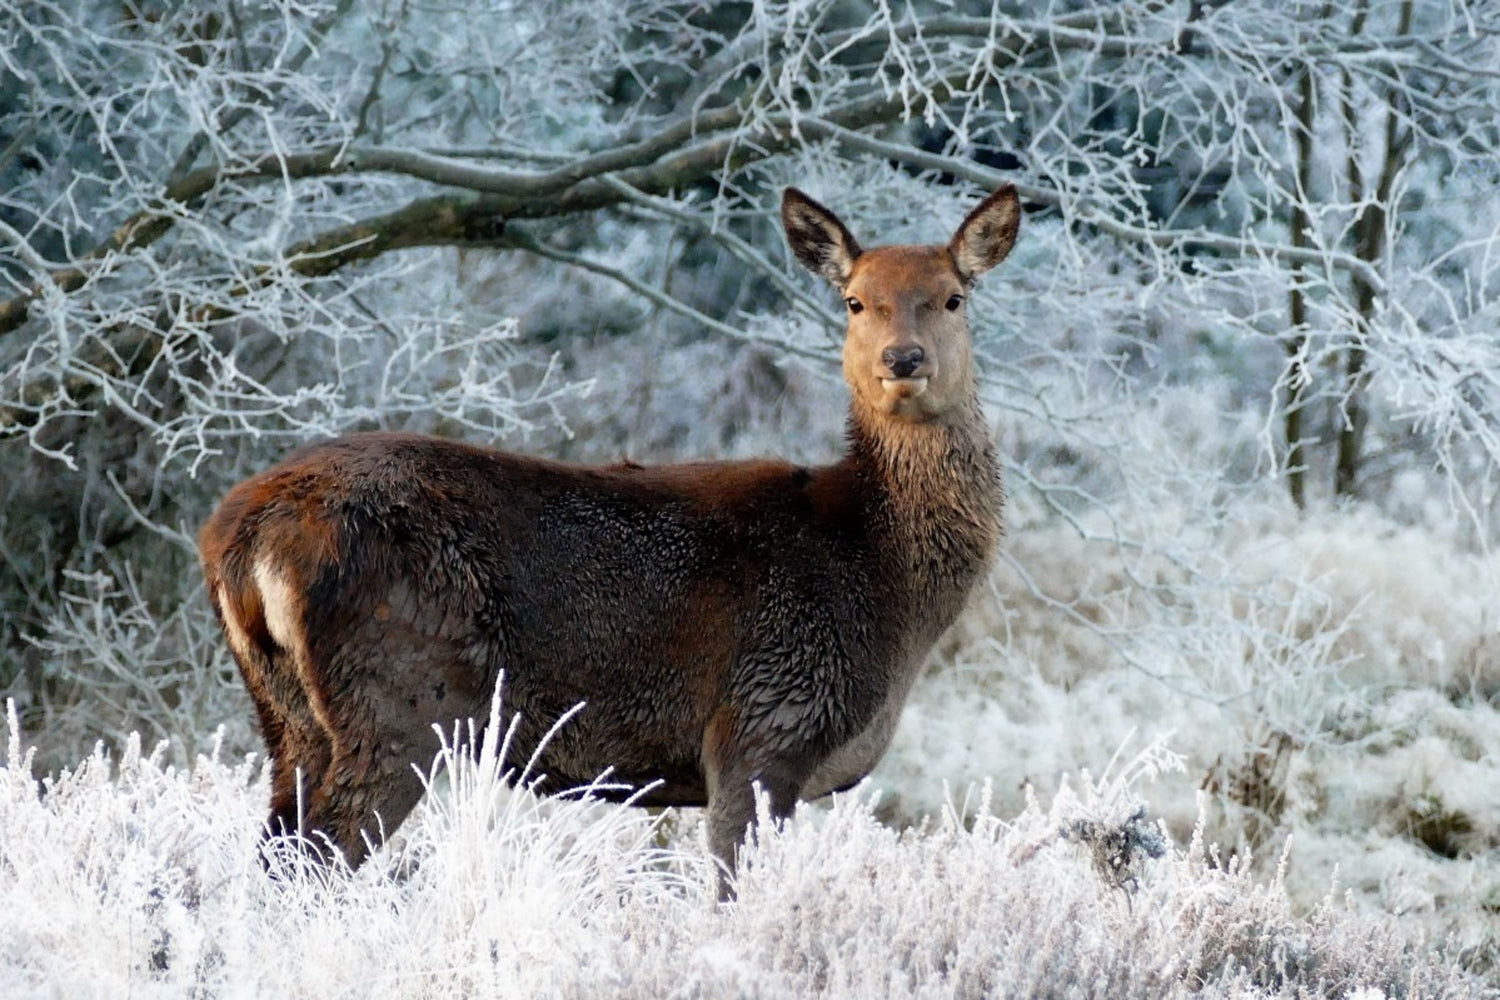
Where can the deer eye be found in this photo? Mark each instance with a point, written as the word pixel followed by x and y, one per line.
pixel 855 306
pixel 954 301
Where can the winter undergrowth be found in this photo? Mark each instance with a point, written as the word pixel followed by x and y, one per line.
pixel 130 876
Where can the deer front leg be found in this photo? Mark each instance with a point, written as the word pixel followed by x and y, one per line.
pixel 731 810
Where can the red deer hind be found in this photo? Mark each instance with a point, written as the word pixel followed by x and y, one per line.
pixel 725 623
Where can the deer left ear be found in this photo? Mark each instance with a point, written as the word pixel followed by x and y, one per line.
pixel 818 239
pixel 987 235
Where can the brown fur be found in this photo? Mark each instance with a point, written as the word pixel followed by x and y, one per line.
pixel 725 623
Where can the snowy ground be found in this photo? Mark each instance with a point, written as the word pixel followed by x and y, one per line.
pixel 139 879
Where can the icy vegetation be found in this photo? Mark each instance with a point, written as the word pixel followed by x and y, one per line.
pixel 1242 369
pixel 135 877
pixel 1331 728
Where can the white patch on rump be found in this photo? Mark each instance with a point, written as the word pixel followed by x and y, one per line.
pixel 280 603
pixel 283 606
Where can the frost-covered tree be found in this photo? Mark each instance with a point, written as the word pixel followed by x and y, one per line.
pixel 1258 275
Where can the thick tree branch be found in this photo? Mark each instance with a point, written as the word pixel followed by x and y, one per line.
pixel 478 219
pixel 658 162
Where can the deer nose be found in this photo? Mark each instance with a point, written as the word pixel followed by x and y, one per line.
pixel 902 361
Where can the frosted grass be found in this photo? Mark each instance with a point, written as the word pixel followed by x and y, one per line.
pixel 132 877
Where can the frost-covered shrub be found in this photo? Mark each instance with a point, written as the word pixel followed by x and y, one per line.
pixel 1329 691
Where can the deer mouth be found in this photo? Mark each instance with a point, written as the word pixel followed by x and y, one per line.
pixel 904 388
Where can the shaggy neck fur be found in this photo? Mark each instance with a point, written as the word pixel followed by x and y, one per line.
pixel 936 495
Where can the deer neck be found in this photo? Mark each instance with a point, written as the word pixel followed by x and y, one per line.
pixel 934 499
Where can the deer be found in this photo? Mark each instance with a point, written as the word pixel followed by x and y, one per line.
pixel 727 626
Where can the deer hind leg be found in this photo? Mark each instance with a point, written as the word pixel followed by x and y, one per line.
pixel 297 742
pixel 371 786
pixel 397 681
pixel 266 630
pixel 300 756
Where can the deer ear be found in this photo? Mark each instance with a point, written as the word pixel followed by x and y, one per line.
pixel 987 235
pixel 817 238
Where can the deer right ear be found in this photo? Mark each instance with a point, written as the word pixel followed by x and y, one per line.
pixel 987 235
pixel 818 239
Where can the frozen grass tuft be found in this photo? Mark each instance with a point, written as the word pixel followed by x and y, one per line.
pixel 132 877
